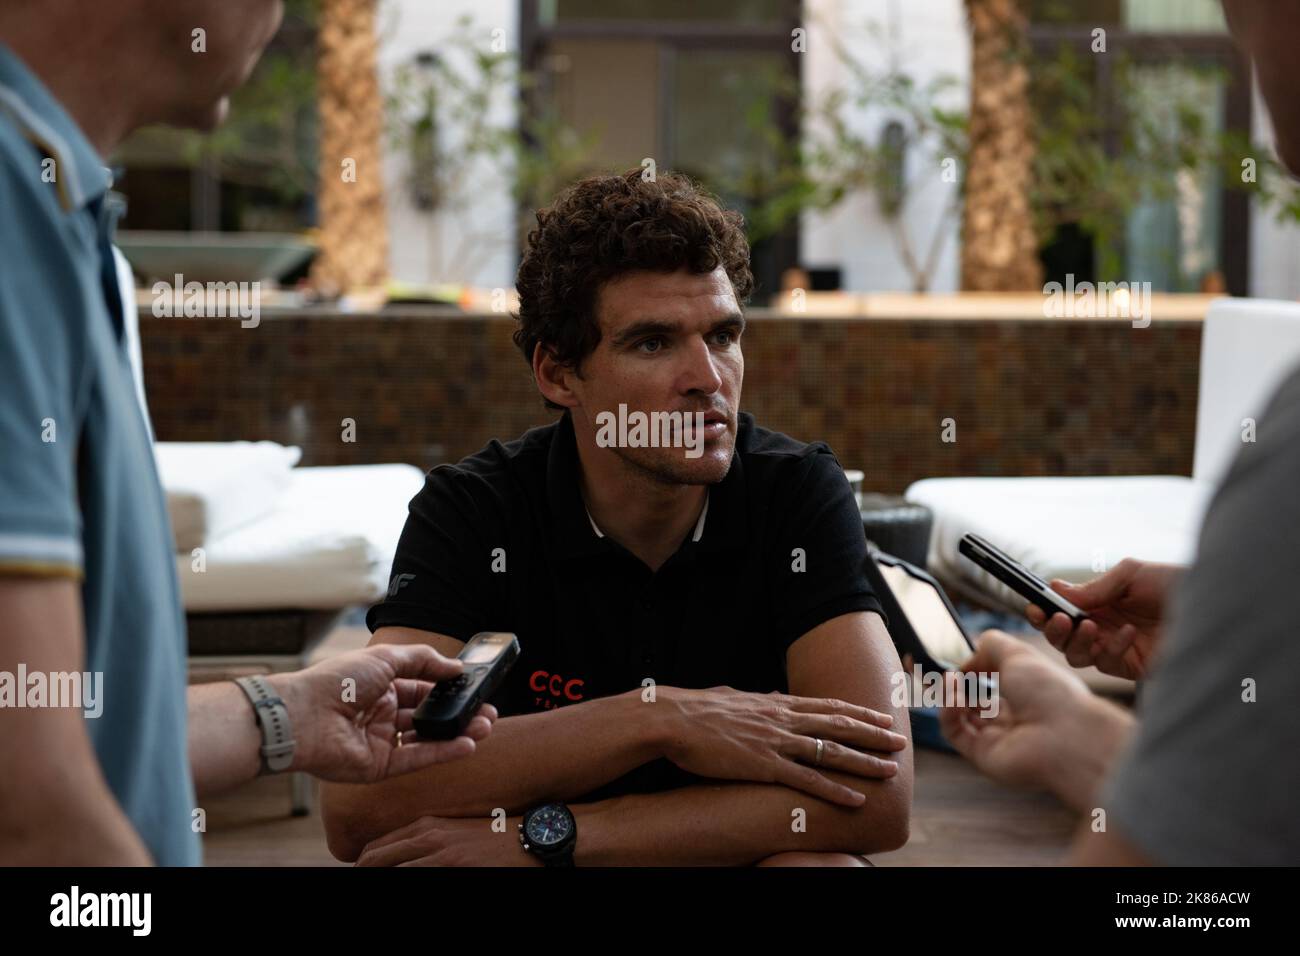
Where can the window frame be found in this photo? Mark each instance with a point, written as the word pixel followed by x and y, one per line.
pixel 1174 47
pixel 781 250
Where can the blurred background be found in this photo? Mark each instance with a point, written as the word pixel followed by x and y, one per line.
pixel 911 173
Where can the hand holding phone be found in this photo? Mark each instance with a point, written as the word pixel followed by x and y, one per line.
pixel 1018 577
pixel 1125 608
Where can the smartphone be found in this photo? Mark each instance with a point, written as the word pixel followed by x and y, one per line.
pixel 1018 577
pixel 925 627
pixel 922 621
pixel 451 705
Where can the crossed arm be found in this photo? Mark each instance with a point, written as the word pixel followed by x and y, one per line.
pixel 568 752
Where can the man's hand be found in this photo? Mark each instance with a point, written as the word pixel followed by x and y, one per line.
pixel 728 734
pixel 1125 608
pixel 1049 733
pixel 349 732
pixel 443 841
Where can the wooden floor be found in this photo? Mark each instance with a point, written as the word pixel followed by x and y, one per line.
pixel 959 817
pixel 962 818
pixel 251 826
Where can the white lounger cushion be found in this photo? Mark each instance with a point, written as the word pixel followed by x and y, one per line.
pixel 215 487
pixel 1068 527
pixel 328 545
pixel 1059 527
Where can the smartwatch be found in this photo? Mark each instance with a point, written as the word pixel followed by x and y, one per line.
pixel 550 833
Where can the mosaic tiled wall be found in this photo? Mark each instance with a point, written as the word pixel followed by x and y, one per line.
pixel 1050 397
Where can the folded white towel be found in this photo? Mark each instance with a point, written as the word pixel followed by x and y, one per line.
pixel 215 487
pixel 328 545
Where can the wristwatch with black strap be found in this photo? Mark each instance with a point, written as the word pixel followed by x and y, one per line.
pixel 550 833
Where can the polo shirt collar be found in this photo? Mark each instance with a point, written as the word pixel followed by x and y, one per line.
pixel 695 535
pixel 728 510
pixel 80 174
pixel 576 533
pixel 571 525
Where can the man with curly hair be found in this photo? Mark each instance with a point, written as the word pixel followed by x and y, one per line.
pixel 705 672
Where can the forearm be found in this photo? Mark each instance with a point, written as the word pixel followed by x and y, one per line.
pixel 65 816
pixel 1081 763
pixel 737 824
pixel 224 738
pixel 56 807
pixel 560 754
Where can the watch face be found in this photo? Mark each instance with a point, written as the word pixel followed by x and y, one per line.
pixel 549 826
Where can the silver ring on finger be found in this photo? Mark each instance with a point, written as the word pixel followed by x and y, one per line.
pixel 821 747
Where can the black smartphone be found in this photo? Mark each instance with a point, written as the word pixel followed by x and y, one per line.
pixel 450 706
pixel 922 621
pixel 1018 577
pixel 925 627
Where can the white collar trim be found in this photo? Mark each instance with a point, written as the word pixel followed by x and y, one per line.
pixel 695 537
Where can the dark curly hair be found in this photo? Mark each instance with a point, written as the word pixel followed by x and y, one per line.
pixel 604 226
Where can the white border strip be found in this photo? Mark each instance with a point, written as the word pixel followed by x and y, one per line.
pixel 34 547
pixel 63 155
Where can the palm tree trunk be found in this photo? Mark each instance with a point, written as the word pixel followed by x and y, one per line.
pixel 353 225
pixel 999 245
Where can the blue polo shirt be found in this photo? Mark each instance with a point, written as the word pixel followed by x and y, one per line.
pixel 79 492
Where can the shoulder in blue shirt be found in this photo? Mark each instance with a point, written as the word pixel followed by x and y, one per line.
pixel 79 491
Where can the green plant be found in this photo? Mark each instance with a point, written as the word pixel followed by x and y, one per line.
pixel 1096 160
pixel 836 157
pixel 269 137
pixel 1099 159
pixel 268 142
pixel 455 92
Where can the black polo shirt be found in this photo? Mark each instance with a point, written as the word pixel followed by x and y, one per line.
pixel 502 541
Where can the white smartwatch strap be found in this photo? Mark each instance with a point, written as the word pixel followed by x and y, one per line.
pixel 273 718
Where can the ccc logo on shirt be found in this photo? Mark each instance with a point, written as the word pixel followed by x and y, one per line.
pixel 553 690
